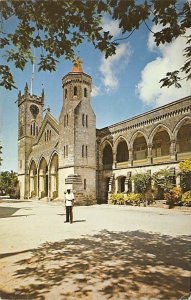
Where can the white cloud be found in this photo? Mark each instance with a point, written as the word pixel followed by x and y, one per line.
pixel 112 66
pixel 96 91
pixel 171 58
pixel 112 26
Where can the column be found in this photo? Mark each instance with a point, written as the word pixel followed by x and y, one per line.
pixel 149 156
pixel 31 185
pixel 130 162
pixel 178 181
pixel 114 160
pixel 173 150
pixel 35 185
pixel 116 185
pixel 126 184
pixel 133 186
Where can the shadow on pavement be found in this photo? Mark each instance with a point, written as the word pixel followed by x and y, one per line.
pixel 14 201
pixel 6 212
pixel 110 265
pixel 14 253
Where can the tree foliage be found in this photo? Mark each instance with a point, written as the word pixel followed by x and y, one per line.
pixel 58 27
pixel 0 154
pixel 185 166
pixel 8 183
pixel 163 179
pixel 185 169
pixel 142 182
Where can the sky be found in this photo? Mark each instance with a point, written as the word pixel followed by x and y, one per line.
pixel 124 85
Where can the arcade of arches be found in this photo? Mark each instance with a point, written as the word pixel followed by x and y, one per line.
pixel 44 178
pixel 162 146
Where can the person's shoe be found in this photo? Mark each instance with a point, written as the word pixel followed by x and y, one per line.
pixel 66 221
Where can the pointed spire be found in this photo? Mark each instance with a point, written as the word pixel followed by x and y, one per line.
pixel 26 89
pixel 19 95
pixel 42 95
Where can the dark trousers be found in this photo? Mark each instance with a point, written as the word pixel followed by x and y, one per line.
pixel 69 214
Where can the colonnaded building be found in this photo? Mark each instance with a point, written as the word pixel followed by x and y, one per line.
pixel 71 153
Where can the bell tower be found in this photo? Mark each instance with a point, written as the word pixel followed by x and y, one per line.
pixel 77 127
pixel 30 118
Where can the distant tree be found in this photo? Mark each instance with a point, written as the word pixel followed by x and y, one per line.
pixel 58 27
pixel 0 155
pixel 8 183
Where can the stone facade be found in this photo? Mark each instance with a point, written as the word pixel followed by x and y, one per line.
pixel 54 155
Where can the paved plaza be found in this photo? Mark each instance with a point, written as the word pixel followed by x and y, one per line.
pixel 109 252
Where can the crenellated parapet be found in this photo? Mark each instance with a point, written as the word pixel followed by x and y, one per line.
pixel 26 96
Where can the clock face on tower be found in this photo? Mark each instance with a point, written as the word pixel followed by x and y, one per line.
pixel 34 110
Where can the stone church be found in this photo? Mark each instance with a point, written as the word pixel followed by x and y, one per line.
pixel 54 155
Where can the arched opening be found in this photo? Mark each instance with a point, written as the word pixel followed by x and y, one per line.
pixel 75 91
pixel 85 184
pixel 107 157
pixel 66 92
pixel 184 140
pixel 43 178
pixel 122 152
pixel 33 180
pixel 54 177
pixel 161 144
pixel 34 127
pixel 140 150
pixel 85 92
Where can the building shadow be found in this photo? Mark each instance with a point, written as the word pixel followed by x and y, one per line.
pixel 7 212
pixel 110 265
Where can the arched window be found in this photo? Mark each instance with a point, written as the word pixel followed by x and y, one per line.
pixel 33 128
pixel 184 138
pixel 84 184
pixel 107 155
pixel 161 143
pixel 82 150
pixel 75 91
pixel 85 92
pixel 82 119
pixel 50 135
pixel 122 152
pixel 66 92
pixel 86 120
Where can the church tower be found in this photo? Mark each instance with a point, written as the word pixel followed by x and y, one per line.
pixel 30 120
pixel 77 128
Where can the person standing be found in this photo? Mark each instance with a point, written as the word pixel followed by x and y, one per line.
pixel 69 202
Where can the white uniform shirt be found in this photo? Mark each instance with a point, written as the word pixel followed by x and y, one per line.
pixel 69 198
